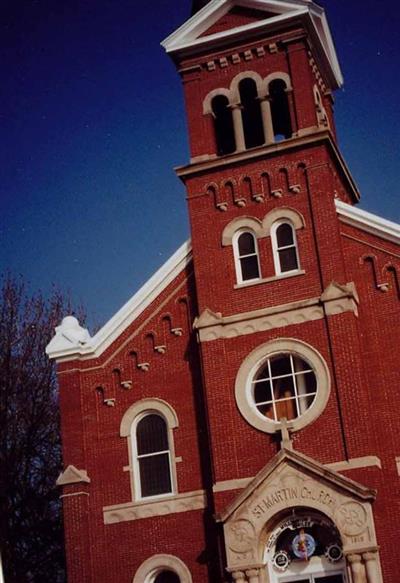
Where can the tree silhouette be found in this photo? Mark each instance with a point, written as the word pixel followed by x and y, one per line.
pixel 31 534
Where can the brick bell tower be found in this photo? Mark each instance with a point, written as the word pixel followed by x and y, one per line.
pixel 237 419
pixel 277 311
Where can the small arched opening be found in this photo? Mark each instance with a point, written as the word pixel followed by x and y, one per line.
pixel 280 112
pixel 223 125
pixel 251 114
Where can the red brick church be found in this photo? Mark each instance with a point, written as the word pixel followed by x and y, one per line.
pixel 235 420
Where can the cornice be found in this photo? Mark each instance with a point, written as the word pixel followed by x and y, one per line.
pixel 368 222
pixel 313 138
pixel 336 299
pixel 189 41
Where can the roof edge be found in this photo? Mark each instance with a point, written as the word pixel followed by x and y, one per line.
pixel 368 222
pixel 65 347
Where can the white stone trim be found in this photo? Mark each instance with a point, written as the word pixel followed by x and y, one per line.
pixel 368 222
pixel 254 360
pixel 183 502
pixel 156 564
pixel 259 320
pixel 356 463
pixel 352 464
pixel 207 103
pixel 234 86
pixel 336 299
pixel 292 480
pixel 188 36
pixel 227 485
pixel 71 475
pixel 148 405
pixel 284 214
pixel 269 279
pixel 241 224
pixel 274 77
pixel 95 346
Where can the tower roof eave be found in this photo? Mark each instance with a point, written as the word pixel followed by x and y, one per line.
pixel 188 40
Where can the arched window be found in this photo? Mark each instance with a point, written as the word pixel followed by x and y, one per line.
pixel 246 256
pixel 280 113
pixel 152 456
pixel 251 114
pixel 223 124
pixel 284 245
pixel 162 569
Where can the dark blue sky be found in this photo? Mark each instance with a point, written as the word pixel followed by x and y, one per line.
pixel 92 123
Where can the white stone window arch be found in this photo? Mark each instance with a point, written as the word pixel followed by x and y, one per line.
pixel 148 426
pixel 218 104
pixel 285 364
pixel 284 247
pixel 246 256
pixel 156 565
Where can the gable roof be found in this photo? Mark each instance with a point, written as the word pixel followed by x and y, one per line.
pixel 189 38
pixel 71 341
pixel 368 222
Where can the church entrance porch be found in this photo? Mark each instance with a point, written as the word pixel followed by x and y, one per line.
pixel 299 522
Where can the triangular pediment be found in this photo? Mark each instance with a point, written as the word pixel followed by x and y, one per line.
pixel 294 483
pixel 295 468
pixel 225 20
pixel 238 16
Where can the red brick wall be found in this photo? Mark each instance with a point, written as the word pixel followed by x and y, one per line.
pixel 361 416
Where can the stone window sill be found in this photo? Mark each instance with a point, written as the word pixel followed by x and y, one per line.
pixel 269 279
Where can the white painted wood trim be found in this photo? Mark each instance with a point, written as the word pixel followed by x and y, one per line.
pixel 368 222
pixel 96 345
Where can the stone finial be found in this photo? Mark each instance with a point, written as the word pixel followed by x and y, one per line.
pixel 69 335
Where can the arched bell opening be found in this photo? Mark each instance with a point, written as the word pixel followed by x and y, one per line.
pixel 251 114
pixel 304 546
pixel 223 125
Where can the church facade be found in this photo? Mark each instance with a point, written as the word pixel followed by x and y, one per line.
pixel 237 420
